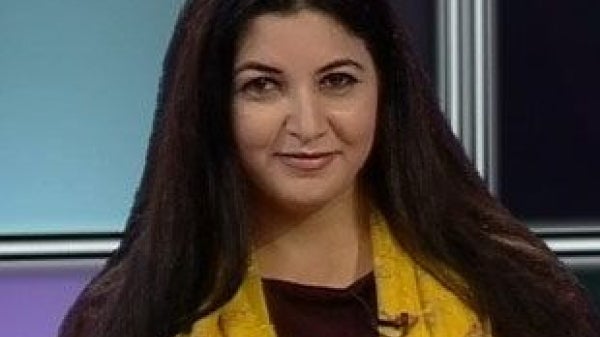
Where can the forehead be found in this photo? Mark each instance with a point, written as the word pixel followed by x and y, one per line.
pixel 306 35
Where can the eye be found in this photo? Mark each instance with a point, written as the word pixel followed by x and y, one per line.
pixel 260 87
pixel 337 82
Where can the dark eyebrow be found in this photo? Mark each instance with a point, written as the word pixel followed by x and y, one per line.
pixel 340 63
pixel 253 65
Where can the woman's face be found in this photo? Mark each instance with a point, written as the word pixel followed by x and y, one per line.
pixel 305 105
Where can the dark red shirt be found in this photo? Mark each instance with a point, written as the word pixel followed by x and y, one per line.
pixel 299 310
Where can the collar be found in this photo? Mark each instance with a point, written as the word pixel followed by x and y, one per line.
pixel 411 302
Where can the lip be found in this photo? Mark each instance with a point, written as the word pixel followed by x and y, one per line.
pixel 307 161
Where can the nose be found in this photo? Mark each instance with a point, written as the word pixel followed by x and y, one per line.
pixel 306 120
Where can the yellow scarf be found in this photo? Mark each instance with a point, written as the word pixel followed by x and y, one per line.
pixel 405 293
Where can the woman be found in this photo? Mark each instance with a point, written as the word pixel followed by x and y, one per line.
pixel 297 149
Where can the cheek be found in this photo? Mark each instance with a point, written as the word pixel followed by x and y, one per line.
pixel 356 123
pixel 255 128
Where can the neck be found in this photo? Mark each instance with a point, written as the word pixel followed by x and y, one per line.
pixel 328 246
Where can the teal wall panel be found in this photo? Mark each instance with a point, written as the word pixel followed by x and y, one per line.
pixel 78 84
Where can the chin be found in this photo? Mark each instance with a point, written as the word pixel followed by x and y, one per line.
pixel 307 199
pixel 301 195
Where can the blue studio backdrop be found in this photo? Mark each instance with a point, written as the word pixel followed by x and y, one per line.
pixel 78 84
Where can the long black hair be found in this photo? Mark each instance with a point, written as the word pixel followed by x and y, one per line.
pixel 185 247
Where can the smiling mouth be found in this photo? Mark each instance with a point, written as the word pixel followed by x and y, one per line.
pixel 307 161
